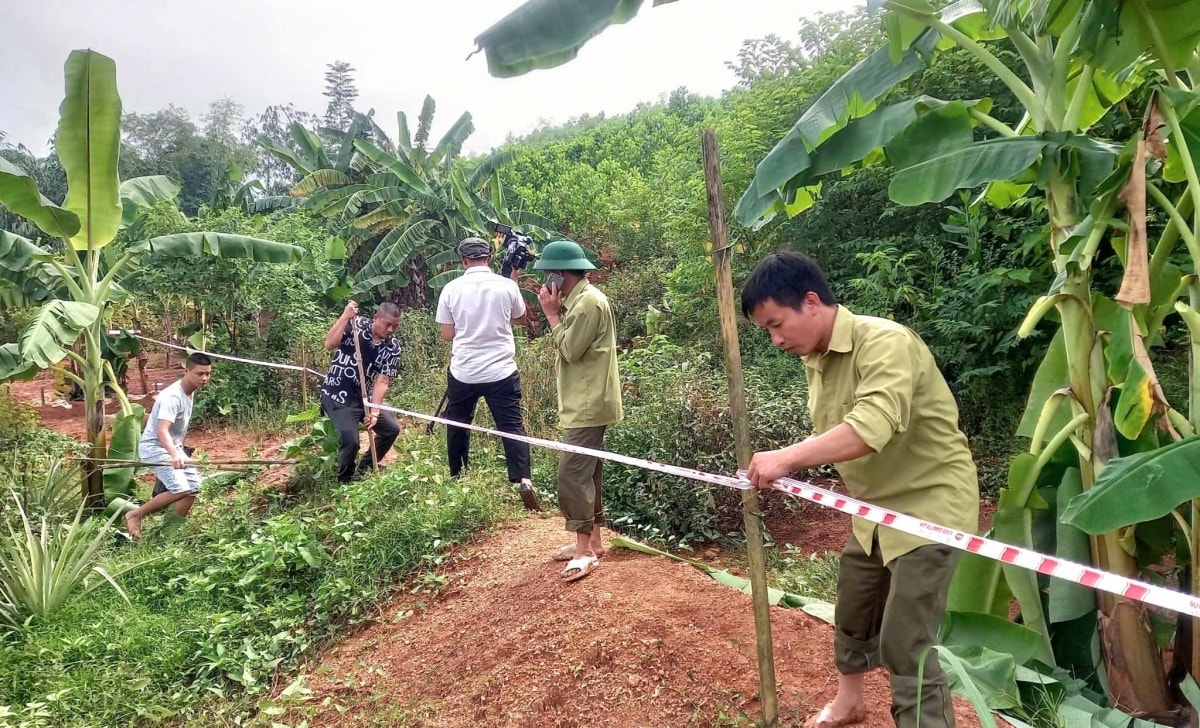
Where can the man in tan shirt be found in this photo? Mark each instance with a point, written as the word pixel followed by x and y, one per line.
pixel 583 332
pixel 883 414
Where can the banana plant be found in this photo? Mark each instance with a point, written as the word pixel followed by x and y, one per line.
pixel 1096 395
pixel 76 273
pixel 408 204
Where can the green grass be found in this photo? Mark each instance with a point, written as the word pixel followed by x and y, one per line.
pixel 253 586
pixel 809 575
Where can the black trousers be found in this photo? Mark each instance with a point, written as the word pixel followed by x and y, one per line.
pixel 345 418
pixel 503 398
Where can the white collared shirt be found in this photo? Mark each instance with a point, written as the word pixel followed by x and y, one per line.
pixel 481 305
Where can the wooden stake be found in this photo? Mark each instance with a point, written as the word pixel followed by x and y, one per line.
pixel 304 375
pixel 751 514
pixel 141 355
pixel 167 335
pixel 362 381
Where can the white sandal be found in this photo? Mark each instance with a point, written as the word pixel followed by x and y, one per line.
pixel 581 566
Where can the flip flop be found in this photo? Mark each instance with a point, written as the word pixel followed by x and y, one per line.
pixel 582 566
pixel 822 719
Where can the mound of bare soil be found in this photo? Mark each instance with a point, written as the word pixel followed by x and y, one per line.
pixel 643 641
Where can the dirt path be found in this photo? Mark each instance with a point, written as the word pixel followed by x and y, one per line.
pixel 643 641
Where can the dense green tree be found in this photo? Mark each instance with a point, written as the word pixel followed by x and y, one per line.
pixel 167 142
pixel 274 124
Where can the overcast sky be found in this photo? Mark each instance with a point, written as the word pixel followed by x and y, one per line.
pixel 262 52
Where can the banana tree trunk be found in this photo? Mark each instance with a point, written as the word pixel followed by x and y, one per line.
pixel 93 399
pixel 415 295
pixel 1137 679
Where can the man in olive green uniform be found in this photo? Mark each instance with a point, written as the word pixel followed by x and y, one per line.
pixel 589 394
pixel 882 412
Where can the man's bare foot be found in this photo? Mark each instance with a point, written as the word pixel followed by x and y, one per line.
pixel 567 552
pixel 133 523
pixel 836 716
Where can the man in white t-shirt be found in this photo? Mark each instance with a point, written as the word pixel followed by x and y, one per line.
pixel 162 442
pixel 476 312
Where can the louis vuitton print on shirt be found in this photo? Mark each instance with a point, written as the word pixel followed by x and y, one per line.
pixel 341 380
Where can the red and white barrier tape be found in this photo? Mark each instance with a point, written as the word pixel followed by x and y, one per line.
pixel 274 365
pixel 1137 591
pixel 682 472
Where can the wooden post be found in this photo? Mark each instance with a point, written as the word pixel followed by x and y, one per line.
pixel 751 514
pixel 167 335
pixel 303 375
pixel 362 381
pixel 141 355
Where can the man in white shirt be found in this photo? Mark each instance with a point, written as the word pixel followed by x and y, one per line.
pixel 476 312
pixel 162 443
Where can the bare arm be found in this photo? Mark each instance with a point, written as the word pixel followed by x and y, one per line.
pixel 378 392
pixel 334 336
pixel 447 332
pixel 838 445
pixel 164 439
pixel 515 276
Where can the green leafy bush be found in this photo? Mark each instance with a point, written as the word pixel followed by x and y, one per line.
pixel 256 310
pixel 12 321
pixel 24 445
pixel 241 390
pixel 677 411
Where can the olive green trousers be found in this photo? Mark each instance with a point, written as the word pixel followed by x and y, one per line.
pixel 889 615
pixel 579 478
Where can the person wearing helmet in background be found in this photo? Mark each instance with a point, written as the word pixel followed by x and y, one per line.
pixel 583 332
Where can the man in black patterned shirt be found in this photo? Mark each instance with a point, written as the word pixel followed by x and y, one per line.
pixel 341 392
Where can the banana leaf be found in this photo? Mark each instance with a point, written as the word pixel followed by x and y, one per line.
pixel 1137 488
pixel 142 192
pixel 20 194
pixel 222 245
pixel 88 142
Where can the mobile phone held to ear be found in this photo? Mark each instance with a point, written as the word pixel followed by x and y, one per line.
pixel 554 281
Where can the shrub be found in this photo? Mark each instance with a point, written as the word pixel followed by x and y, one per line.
pixel 677 411
pixel 238 389
pixel 12 321
pixel 633 289
pixel 24 445
pixel 44 564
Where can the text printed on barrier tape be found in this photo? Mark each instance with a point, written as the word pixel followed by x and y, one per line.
pixel 1088 576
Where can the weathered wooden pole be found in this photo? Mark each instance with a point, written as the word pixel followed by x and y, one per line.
pixel 751 514
pixel 141 353
pixel 362 381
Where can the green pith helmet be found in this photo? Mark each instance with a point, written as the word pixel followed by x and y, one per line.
pixel 563 255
